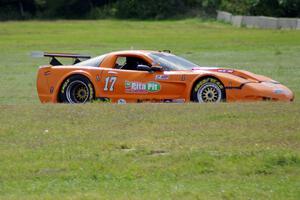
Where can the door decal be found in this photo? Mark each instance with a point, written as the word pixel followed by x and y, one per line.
pixel 142 88
pixel 110 83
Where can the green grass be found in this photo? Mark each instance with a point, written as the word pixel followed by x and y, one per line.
pixel 267 52
pixel 226 151
pixel 148 151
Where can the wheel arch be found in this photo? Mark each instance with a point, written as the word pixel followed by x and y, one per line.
pixel 200 78
pixel 75 73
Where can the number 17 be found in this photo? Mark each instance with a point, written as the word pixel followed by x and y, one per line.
pixel 110 80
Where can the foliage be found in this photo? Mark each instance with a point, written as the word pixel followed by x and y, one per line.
pixel 238 6
pixel 149 8
pixel 144 9
pixel 64 8
pixel 276 8
pixel 9 12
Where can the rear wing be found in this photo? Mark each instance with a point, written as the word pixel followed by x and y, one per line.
pixel 55 62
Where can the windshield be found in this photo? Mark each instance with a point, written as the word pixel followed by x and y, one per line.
pixel 170 62
pixel 93 62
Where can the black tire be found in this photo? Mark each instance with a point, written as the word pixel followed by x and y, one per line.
pixel 209 90
pixel 76 89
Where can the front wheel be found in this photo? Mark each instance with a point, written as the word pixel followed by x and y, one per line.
pixel 209 90
pixel 76 89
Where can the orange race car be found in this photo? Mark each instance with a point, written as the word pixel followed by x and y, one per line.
pixel 150 76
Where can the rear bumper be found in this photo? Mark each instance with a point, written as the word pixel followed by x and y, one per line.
pixel 45 92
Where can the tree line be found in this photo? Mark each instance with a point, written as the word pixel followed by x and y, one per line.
pixel 142 9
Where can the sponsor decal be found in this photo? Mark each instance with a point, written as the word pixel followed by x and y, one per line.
pixel 230 71
pixel 138 87
pixel 280 91
pixel 91 91
pixel 183 78
pixel 161 100
pixel 97 78
pixel 274 86
pixel 122 101
pixel 207 81
pixel 51 90
pixel 178 100
pixel 64 86
pixel 162 77
pixel 47 73
pixel 174 101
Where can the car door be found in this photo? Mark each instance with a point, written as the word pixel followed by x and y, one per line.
pixel 130 85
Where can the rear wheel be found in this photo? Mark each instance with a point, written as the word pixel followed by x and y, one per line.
pixel 76 89
pixel 209 90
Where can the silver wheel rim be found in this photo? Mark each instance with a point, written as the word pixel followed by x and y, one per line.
pixel 77 92
pixel 209 93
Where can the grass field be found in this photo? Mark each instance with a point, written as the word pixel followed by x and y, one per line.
pixel 148 151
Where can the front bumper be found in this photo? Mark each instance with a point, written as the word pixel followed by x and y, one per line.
pixel 260 91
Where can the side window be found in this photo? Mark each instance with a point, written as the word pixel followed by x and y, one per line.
pixel 129 63
pixel 121 61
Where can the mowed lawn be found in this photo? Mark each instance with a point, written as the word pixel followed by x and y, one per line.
pixel 272 53
pixel 148 151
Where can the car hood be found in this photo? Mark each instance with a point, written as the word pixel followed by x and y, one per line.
pixel 249 76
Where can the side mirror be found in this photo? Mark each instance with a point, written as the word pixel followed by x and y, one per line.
pixel 157 68
pixel 144 68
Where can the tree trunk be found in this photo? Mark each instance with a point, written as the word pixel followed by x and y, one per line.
pixel 21 8
pixel 91 4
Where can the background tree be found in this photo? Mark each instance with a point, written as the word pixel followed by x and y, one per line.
pixel 142 9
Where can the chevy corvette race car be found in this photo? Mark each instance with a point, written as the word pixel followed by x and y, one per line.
pixel 150 76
